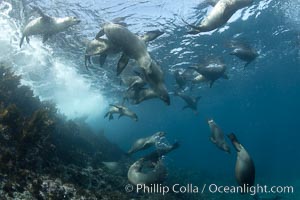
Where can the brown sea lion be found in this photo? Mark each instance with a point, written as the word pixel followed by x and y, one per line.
pixel 244 167
pixel 217 136
pixel 46 26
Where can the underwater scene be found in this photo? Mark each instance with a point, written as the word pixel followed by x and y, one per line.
pixel 149 99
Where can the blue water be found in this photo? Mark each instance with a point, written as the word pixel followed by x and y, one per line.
pixel 259 104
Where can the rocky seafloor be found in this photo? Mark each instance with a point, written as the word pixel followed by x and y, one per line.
pixel 45 156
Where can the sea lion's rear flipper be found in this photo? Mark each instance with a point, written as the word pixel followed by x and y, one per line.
pixel 123 61
pixel 247 63
pixel 225 76
pixel 151 35
pixel 87 59
pixel 196 29
pixel 211 84
pixel 102 59
pixel 234 141
pixel 100 34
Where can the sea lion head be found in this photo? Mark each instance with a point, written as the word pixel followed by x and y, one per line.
pixel 72 20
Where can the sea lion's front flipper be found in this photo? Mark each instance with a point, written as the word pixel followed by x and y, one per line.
pixel 110 116
pixel 102 59
pixel 196 29
pixel 185 107
pixel 151 35
pixel 21 41
pixel 213 140
pixel 211 83
pixel 121 115
pixel 100 34
pixel 27 39
pixel 41 13
pixel 123 61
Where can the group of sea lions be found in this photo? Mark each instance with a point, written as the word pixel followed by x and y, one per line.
pixel 148 81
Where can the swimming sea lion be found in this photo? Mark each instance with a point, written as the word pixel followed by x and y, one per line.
pixel 46 26
pixel 103 47
pixel 219 15
pixel 244 167
pixel 122 111
pixel 211 71
pixel 154 174
pixel 192 102
pixel 131 45
pixel 244 52
pixel 217 136
pixel 144 143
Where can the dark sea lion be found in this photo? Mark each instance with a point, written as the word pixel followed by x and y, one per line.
pixel 103 47
pixel 122 111
pixel 212 71
pixel 244 52
pixel 155 173
pixel 144 143
pixel 217 136
pixel 46 26
pixel 219 15
pixel 192 102
pixel 131 45
pixel 244 167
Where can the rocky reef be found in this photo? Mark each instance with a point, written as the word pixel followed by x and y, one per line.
pixel 45 156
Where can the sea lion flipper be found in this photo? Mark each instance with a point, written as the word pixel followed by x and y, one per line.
pixel 21 41
pixel 27 39
pixel 225 76
pixel 211 84
pixel 41 13
pixel 123 61
pixel 87 60
pixel 213 140
pixel 110 116
pixel 102 59
pixel 185 107
pixel 151 35
pixel 99 34
pixel 121 115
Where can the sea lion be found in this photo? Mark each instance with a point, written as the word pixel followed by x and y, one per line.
pixel 103 47
pixel 144 143
pixel 192 102
pixel 212 71
pixel 122 111
pixel 155 173
pixel 219 15
pixel 46 26
pixel 131 45
pixel 217 136
pixel 244 52
pixel 244 167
